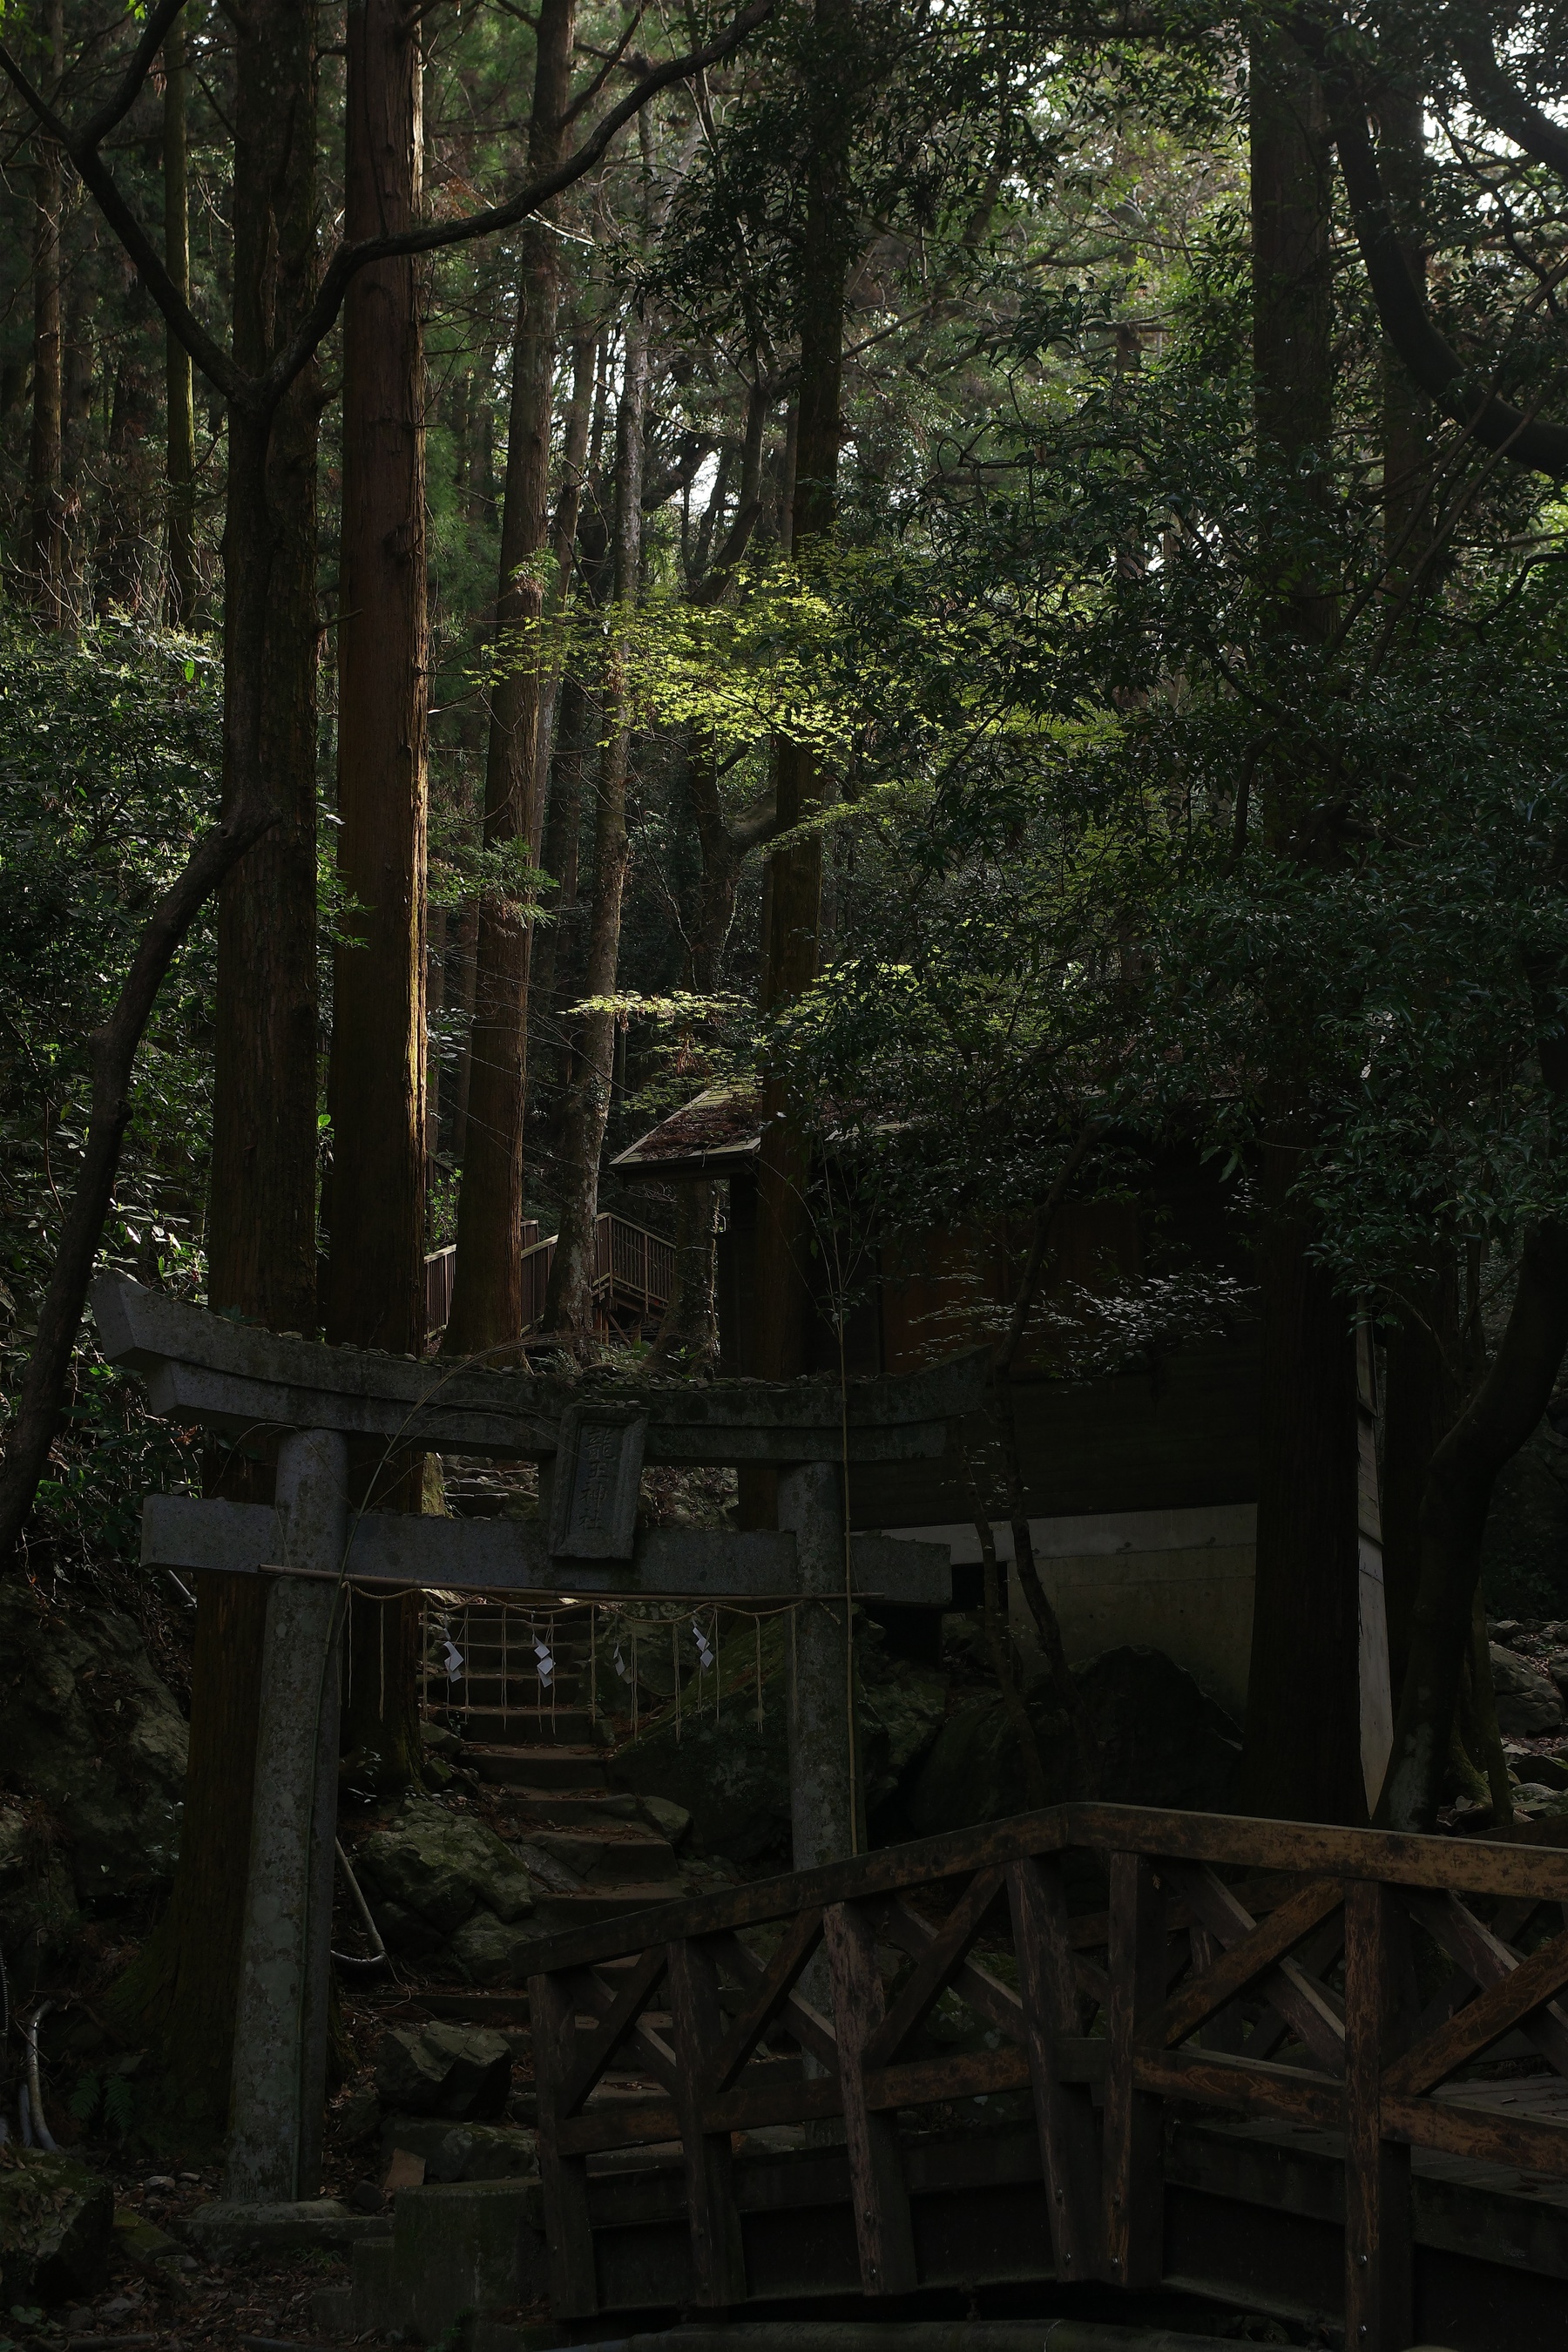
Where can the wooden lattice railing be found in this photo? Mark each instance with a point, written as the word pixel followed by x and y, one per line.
pixel 1336 1978
pixel 634 1271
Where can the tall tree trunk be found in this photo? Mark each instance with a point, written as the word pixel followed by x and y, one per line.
pixel 122 565
pixel 46 504
pixel 375 1279
pixel 1406 411
pixel 1422 1391
pixel 1303 1744
pixel 793 894
pixel 180 589
pixel 261 1231
pixel 487 1303
pixel 569 1306
pixel 568 507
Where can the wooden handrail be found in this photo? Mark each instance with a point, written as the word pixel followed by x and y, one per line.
pixel 1208 1991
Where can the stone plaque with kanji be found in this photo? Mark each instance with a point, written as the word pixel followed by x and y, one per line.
pixel 598 1476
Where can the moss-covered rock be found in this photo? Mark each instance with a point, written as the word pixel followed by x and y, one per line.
pixel 440 1867
pixel 90 1731
pixel 455 2070
pixel 1160 1740
pixel 57 2225
pixel 730 1773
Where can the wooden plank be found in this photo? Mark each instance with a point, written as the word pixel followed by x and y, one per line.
pixel 1470 1866
pixel 598 1999
pixel 963 2075
pixel 1486 2135
pixel 1379 2286
pixel 935 1969
pixel 1503 2005
pixel 563 2173
pixel 595 2052
pixel 1219 1983
pixel 808 2027
pixel 1130 2169
pixel 770 1992
pixel 899 1923
pixel 1303 2003
pixel 1489 1961
pixel 1064 2112
pixel 883 2231
pixel 1248 2086
pixel 718 2261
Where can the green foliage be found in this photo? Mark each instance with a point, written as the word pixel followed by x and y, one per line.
pixel 109 755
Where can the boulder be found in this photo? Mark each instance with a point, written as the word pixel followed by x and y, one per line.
pixel 488 1951
pixel 57 2226
pixel 88 1730
pixel 1528 1702
pixel 440 1866
pixel 469 2151
pixel 38 1897
pixel 457 2071
pixel 730 1776
pixel 1158 1740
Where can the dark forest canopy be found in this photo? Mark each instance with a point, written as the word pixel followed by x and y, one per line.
pixel 994 574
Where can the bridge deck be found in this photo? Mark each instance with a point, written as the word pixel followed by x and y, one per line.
pixel 1279 2066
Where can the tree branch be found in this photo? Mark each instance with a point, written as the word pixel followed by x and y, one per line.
pixel 1432 361
pixel 258 396
pixel 113 1050
pixel 350 259
pixel 1497 102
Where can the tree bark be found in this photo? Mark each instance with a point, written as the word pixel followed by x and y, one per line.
pixel 261 1227
pixel 1406 411
pixel 45 495
pixel 793 894
pixel 487 1303
pixel 180 588
pixel 1302 1741
pixel 1506 1407
pixel 123 566
pixel 569 1305
pixel 375 1280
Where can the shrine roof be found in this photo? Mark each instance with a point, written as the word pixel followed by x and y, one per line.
pixel 717 1132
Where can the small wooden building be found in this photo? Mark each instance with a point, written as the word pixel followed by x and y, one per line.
pixel 1141 1487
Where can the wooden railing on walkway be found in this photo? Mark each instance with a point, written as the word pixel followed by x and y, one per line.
pixel 633 1273
pixel 1134 1960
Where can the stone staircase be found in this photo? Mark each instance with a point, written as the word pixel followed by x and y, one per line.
pixel 597 1851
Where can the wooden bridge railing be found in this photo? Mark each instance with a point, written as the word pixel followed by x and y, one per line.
pixel 1132 1961
pixel 634 1271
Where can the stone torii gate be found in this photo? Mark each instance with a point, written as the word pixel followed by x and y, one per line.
pixel 590 1438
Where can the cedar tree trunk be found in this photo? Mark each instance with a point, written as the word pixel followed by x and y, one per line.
pixel 180 588
pixel 487 1302
pixel 375 1276
pixel 569 1305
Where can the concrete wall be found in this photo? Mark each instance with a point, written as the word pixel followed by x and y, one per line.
pixel 1177 1581
pixel 1180 1581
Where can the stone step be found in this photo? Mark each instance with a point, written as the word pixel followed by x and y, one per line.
pixel 520 1690
pixel 608 1855
pixel 541 1766
pixel 554 1914
pixel 522 1726
pixel 549 1809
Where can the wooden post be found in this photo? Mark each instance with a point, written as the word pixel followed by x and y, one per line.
pixel 1378 2300
pixel 280 2022
pixel 563 2179
pixel 883 2232
pixel 811 1506
pixel 1135 2216
pixel 718 2261
pixel 1064 2112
